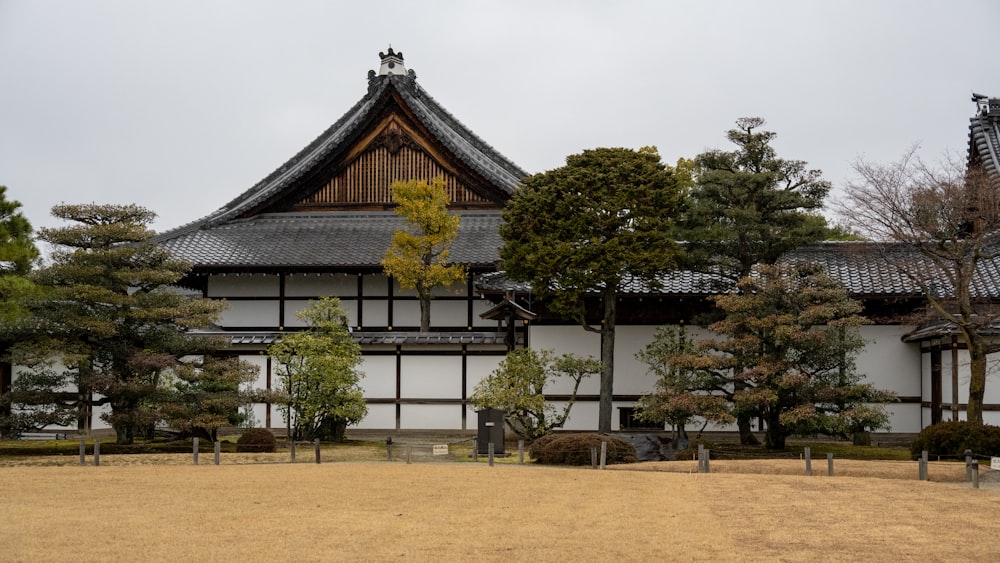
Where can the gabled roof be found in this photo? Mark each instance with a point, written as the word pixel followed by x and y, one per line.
pixel 984 135
pixel 388 89
pixel 324 240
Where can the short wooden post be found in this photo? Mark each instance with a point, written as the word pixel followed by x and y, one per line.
pixel 97 453
pixel 195 450
pixel 968 465
pixel 489 448
pixel 807 454
pixel 291 450
pixel 83 452
pixel 388 450
pixel 520 451
pixel 409 452
pixel 593 457
pixel 604 453
pixel 317 450
pixel 218 451
pixel 708 461
pixel 829 465
pixel 975 474
pixel 701 458
pixel 475 450
pixel 923 466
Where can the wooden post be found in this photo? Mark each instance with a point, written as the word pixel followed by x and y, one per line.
pixel 975 474
pixel 97 453
pixel 701 458
pixel 490 450
pixel 195 450
pixel 291 450
pixel 604 453
pixel 409 451
pixel 829 465
pixel 923 466
pixel 968 465
pixel 317 450
pixel 388 450
pixel 807 453
pixel 708 461
pixel 83 452
pixel 520 452
pixel 593 457
pixel 475 450
pixel 218 451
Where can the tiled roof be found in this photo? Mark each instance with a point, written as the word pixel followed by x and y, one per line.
pixel 323 240
pixel 867 270
pixel 266 338
pixel 984 135
pixel 462 142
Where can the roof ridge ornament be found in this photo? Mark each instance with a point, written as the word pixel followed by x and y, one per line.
pixel 392 63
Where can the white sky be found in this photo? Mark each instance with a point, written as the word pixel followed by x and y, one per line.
pixel 181 105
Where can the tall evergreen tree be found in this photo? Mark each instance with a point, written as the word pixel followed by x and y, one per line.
pixel 109 314
pixel 589 228
pixel 749 207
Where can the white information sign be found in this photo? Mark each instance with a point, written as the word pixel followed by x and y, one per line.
pixel 995 463
pixel 442 449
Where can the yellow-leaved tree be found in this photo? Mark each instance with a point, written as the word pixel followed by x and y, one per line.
pixel 418 256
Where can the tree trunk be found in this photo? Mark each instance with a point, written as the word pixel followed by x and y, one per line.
pixel 977 376
pixel 774 438
pixel 607 360
pixel 425 311
pixel 743 423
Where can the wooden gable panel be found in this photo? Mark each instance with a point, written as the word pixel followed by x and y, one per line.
pixel 389 154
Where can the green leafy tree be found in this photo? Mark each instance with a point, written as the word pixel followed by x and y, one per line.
pixel 517 387
pixel 319 373
pixel 207 395
pixel 17 256
pixel 584 231
pixel 785 350
pixel 418 257
pixel 109 314
pixel 749 207
pixel 937 224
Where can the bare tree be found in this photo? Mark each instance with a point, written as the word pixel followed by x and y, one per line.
pixel 940 224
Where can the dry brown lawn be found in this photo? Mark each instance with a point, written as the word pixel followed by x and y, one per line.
pixel 381 511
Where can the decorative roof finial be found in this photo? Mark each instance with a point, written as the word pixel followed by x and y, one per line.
pixel 392 63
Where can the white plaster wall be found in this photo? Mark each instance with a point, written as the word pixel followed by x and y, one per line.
pixel 479 307
pixel 375 314
pixel 888 362
pixel 379 381
pixel 407 313
pixel 313 285
pixel 449 313
pixel 257 285
pixel 631 377
pixel 431 417
pixel 431 377
pixel 379 417
pixel 568 340
pixel 249 313
pixel 458 289
pixel 478 368
pixel 583 415
pixel 377 284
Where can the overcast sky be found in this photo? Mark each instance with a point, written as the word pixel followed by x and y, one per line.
pixel 181 105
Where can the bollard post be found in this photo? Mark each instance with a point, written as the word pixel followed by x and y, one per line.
pixel 807 454
pixel 968 465
pixel 475 450
pixel 195 449
pixel 975 474
pixel 317 450
pixel 701 458
pixel 388 448
pixel 83 452
pixel 409 452
pixel 604 453
pixel 489 448
pixel 708 458
pixel 520 452
pixel 97 453
pixel 923 466
pixel 291 450
pixel 829 465
pixel 593 457
pixel 218 451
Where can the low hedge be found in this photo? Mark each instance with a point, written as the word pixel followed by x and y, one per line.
pixel 575 449
pixel 256 440
pixel 954 437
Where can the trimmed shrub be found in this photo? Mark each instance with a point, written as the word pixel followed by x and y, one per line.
pixel 256 440
pixel 954 437
pixel 574 449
